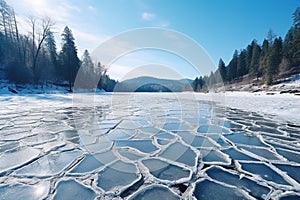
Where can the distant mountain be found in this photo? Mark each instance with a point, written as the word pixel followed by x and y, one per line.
pixel 151 84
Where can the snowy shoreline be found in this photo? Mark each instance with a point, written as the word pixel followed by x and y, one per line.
pixel 272 104
pixel 282 107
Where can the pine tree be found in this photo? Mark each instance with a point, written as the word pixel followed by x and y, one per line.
pixel 201 83
pixel 195 84
pixel 241 64
pixel 254 66
pixel 232 67
pixel 270 36
pixel 68 57
pixel 291 46
pixel 294 46
pixel 296 17
pixel 274 60
pixel 99 69
pixel 222 70
pixel 87 63
pixel 211 80
pixel 88 76
pixel 249 51
pixel 264 56
pixel 51 46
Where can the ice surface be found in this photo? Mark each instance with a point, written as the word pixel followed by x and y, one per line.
pixel 219 140
pixel 129 154
pixel 214 156
pixel 8 146
pixel 265 153
pixel 118 176
pixel 241 138
pixel 16 158
pixel 180 153
pixel 145 146
pixel 175 127
pixel 291 170
pixel 211 129
pixel 155 192
pixel 93 161
pixel 195 140
pixel 71 189
pixel 22 191
pixel 166 171
pixel 206 189
pixel 290 155
pixel 119 134
pixel 254 189
pixel 264 172
pixel 235 154
pixel 49 165
pixel 290 197
pixel 135 146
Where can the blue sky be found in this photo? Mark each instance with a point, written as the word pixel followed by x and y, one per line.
pixel 219 26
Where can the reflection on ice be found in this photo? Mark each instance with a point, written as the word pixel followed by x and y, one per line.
pixel 49 165
pixel 16 158
pixel 21 191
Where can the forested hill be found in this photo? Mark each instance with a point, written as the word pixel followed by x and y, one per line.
pixel 34 59
pixel 264 63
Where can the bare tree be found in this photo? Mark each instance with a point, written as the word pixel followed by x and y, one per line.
pixel 38 38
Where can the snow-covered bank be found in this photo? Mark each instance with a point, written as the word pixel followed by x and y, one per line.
pixel 10 88
pixel 282 107
pixel 285 85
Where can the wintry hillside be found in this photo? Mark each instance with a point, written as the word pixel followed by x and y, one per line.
pixel 151 84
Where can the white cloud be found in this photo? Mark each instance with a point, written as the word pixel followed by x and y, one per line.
pixel 154 19
pixel 148 16
pixel 69 7
pixel 63 13
pixel 92 8
pixel 59 10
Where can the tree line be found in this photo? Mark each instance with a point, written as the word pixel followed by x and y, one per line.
pixel 274 58
pixel 34 59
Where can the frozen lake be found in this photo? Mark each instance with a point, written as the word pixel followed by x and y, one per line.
pixel 147 146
